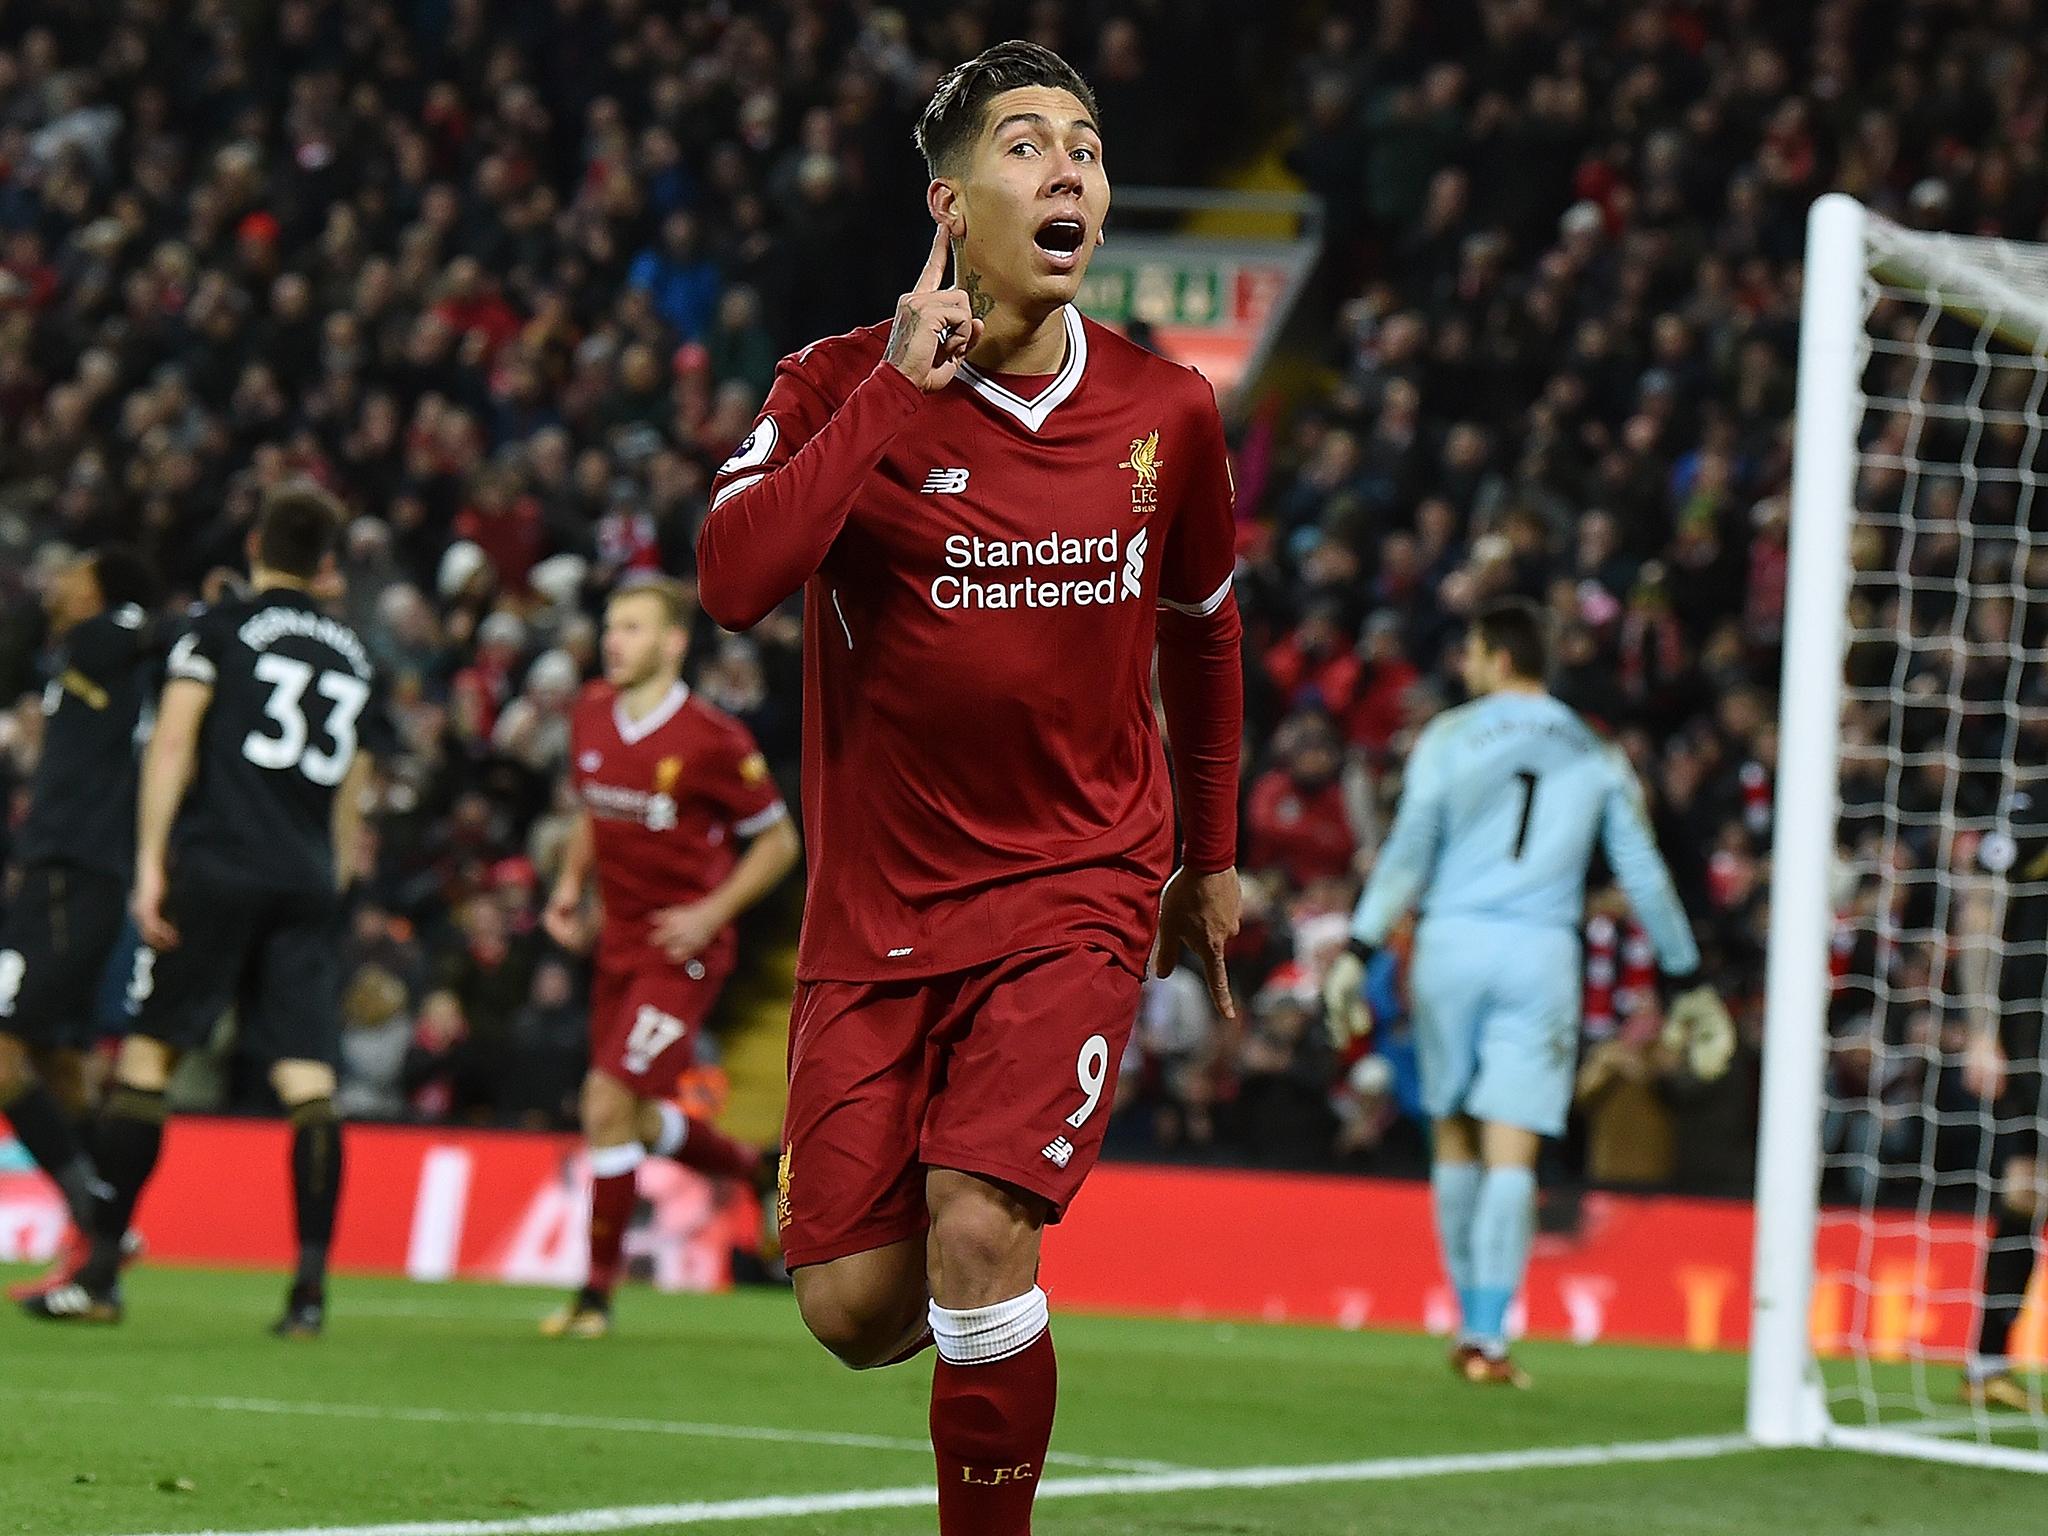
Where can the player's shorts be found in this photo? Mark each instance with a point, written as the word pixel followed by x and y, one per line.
pixel 1497 1012
pixel 53 952
pixel 1006 1071
pixel 645 1012
pixel 274 957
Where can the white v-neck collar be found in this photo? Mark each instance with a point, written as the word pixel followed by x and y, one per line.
pixel 633 731
pixel 1033 413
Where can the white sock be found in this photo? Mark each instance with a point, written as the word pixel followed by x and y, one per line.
pixel 610 1162
pixel 983 1335
pixel 675 1127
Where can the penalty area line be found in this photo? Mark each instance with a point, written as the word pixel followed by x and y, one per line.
pixel 648 1517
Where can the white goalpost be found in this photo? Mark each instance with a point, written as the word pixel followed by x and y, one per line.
pixel 1914 696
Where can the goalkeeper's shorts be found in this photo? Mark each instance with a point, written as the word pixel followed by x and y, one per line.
pixel 1497 1008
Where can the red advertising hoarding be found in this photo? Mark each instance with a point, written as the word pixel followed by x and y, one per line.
pixel 436 1204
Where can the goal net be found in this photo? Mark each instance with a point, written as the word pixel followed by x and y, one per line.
pixel 1909 925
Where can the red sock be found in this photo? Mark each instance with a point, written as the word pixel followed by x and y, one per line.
pixel 614 1189
pixel 709 1150
pixel 992 1411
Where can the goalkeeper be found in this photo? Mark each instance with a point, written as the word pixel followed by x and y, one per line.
pixel 1503 803
pixel 2003 1069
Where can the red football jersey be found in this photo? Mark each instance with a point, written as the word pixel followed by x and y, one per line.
pixel 982 574
pixel 671 797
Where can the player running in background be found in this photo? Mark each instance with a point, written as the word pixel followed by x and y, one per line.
pixel 1502 805
pixel 252 783
pixel 671 789
pixel 77 848
pixel 2003 1070
pixel 993 508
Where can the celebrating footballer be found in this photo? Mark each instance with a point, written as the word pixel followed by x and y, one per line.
pixel 996 511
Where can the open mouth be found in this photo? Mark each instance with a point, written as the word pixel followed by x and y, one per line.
pixel 1060 236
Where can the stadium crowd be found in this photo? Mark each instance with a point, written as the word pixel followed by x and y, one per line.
pixel 512 278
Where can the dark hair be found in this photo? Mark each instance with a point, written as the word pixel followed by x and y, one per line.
pixel 676 606
pixel 1518 627
pixel 297 529
pixel 124 577
pixel 952 121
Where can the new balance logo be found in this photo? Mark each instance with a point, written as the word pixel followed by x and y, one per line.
pixel 1059 1152
pixel 945 482
pixel 1134 563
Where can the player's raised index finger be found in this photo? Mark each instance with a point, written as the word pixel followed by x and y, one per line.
pixel 934 272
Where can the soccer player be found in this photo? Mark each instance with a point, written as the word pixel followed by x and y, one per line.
pixel 1503 802
pixel 2003 1068
pixel 77 848
pixel 252 781
pixel 993 508
pixel 670 788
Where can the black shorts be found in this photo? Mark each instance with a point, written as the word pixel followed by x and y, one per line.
pixel 275 958
pixel 60 927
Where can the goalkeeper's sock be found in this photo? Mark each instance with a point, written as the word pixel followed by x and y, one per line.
pixel 614 1190
pixel 1503 1226
pixel 1455 1191
pixel 2008 1269
pixel 993 1392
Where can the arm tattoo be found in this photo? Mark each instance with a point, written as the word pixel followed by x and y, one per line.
pixel 983 304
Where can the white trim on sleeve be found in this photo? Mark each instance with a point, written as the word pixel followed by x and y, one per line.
pixel 732 488
pixel 186 662
pixel 1203 609
pixel 761 820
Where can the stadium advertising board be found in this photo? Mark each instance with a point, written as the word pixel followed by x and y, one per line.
pixel 1197 1243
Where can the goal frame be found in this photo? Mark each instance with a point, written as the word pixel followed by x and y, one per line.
pixel 1786 1397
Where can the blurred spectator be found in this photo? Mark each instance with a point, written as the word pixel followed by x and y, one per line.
pixel 376 1034
pixel 1295 818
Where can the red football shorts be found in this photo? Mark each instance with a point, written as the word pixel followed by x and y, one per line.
pixel 645 1012
pixel 1006 1071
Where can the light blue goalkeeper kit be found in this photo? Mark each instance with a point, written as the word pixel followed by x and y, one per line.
pixel 1504 801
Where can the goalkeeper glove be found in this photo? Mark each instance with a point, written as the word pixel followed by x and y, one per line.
pixel 1346 1014
pixel 1698 1026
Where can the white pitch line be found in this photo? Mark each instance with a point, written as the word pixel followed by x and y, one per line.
pixel 645 1517
pixel 683 1428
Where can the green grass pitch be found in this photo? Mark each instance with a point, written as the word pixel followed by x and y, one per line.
pixel 441 1404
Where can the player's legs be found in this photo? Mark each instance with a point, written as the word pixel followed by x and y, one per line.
pixel 131 1134
pixel 2008 1271
pixel 996 1383
pixel 1503 1227
pixel 871 1308
pixel 1454 1174
pixel 1009 1137
pixel 52 952
pixel 645 1013
pixel 1521 1093
pixel 292 1019
pixel 46 1130
pixel 306 1090
pixel 1448 983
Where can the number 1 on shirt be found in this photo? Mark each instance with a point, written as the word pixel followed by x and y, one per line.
pixel 1528 782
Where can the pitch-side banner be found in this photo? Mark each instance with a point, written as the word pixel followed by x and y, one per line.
pixel 1165 1241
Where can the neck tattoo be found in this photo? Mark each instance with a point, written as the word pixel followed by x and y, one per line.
pixel 983 304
